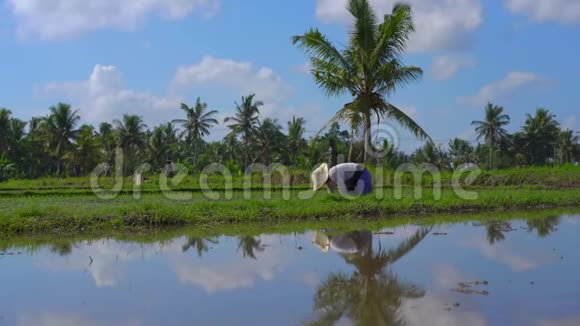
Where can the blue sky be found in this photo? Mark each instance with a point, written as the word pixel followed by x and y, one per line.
pixel 109 57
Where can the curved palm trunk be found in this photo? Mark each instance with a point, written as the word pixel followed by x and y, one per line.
pixel 490 151
pixel 351 147
pixel 367 136
pixel 195 153
pixel 245 152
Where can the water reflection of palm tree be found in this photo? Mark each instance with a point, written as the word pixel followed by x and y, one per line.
pixel 372 295
pixel 544 226
pixel 249 244
pixel 201 244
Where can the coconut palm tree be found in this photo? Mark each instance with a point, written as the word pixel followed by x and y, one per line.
pixel 568 146
pixel 4 130
pixel 157 148
pixel 107 139
pixel 541 133
pixel 197 124
pixel 61 131
pixel 11 135
pixel 130 136
pixel 434 154
pixel 491 129
pixel 269 139
pixel 245 122
pixel 36 156
pixel 296 141
pixel 369 68
pixel 86 150
pixel 460 151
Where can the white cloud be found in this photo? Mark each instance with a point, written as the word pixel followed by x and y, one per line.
pixel 240 274
pixel 243 78
pixel 568 321
pixel 428 310
pixel 501 253
pixel 103 97
pixel 68 319
pixel 446 277
pixel 446 66
pixel 440 25
pixel 240 77
pixel 110 258
pixel 570 123
pixel 304 68
pixel 469 135
pixel 502 88
pixel 235 272
pixel 564 11
pixel 58 19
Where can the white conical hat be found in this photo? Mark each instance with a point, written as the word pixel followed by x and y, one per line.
pixel 319 176
pixel 321 240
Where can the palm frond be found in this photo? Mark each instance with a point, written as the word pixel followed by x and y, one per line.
pixel 390 111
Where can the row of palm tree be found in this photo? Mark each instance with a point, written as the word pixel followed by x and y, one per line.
pixel 56 145
pixel 57 141
pixel 539 141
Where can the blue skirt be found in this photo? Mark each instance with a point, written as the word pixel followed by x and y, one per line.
pixel 368 180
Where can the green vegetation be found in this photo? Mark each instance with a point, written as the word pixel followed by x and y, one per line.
pixel 531 167
pixel 33 241
pixel 88 213
pixel 562 177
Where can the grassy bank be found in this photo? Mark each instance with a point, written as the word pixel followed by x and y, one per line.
pixel 534 177
pixel 34 241
pixel 59 214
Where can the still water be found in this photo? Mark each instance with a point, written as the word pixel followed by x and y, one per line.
pixel 473 273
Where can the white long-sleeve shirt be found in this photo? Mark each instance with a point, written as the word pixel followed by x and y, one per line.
pixel 342 172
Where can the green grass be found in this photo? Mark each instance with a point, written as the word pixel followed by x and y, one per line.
pixel 567 176
pixel 60 214
pixel 69 204
pixel 34 241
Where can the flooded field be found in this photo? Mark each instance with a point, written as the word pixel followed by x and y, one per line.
pixel 519 272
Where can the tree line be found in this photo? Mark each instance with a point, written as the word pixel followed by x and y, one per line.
pixel 56 145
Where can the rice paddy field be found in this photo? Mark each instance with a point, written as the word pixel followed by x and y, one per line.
pixel 71 205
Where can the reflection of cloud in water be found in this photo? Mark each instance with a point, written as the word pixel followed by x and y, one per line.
pixel 502 254
pixel 109 258
pixel 430 310
pixel 236 274
pixel 67 319
pixel 311 279
pixel 446 277
pixel 567 321
pixel 571 219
